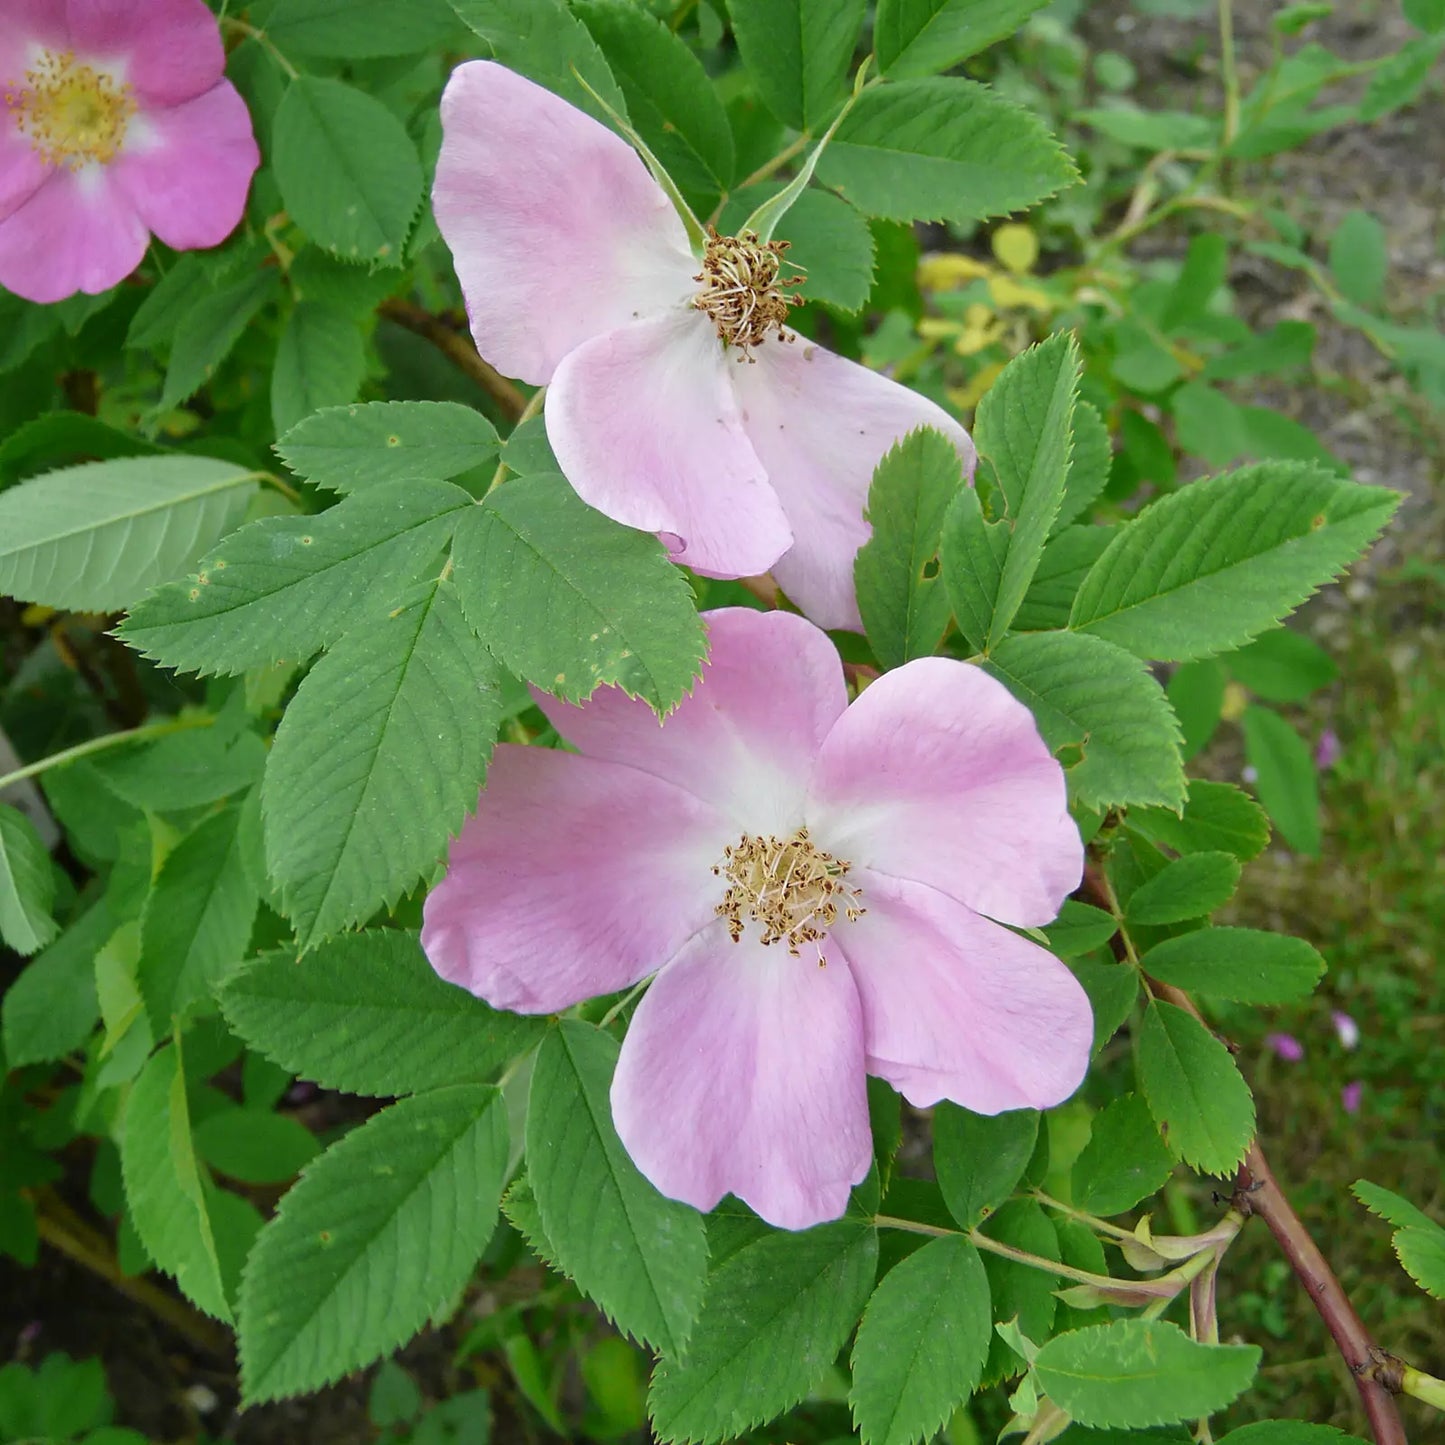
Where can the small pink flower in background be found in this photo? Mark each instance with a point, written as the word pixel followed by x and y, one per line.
pixel 1286 1047
pixel 812 883
pixel 1351 1096
pixel 1327 750
pixel 578 274
pixel 1347 1030
pixel 117 122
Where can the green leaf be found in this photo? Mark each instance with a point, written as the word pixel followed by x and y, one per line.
pixel 776 1312
pixel 972 552
pixel 61 437
pixel 1090 463
pixel 366 1013
pixel 1154 130
pixel 1426 15
pixel 1283 666
pixel 1019 1292
pixel 643 1258
pixel 1422 1253
pixel 945 149
pixel 197 919
pixel 52 1007
pixel 544 41
pixel 979 1158
pixel 798 53
pixel 921 1344
pixel 188 769
pixel 380 1234
pixel 1248 965
pixel 1391 1206
pixel 97 537
pixel 1142 1372
pixel 1024 428
pixel 321 361
pixel 570 600
pixel 255 1145
pixel 1124 1161
pixel 1216 815
pixel 359 29
pixel 1189 887
pixel 1285 777
pixel 903 601
pixel 1068 556
pixel 922 37
pixel 188 281
pixel 1080 929
pixel 1207 424
pixel 1205 270
pixel 206 333
pixel 376 762
pixel 1204 1108
pixel 348 171
pixel 1088 694
pixel 163 1186
pixel 1360 258
pixel 669 97
pixel 833 245
pixel 27 884
pixel 351 448
pixel 1196 693
pixel 1287 1432
pixel 1210 567
pixel 283 587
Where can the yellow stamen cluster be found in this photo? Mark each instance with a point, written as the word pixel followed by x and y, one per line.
pixel 71 113
pixel 742 290
pixel 791 887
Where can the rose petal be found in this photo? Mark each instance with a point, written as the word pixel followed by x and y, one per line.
pixel 189 167
pixel 937 773
pixel 575 878
pixel 956 1007
pixel 76 233
pixel 643 424
pixel 168 50
pixel 30 27
pixel 821 424
pixel 742 1073
pixel 557 230
pixel 22 172
pixel 745 738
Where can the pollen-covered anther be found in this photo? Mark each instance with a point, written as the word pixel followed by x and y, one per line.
pixel 790 887
pixel 742 290
pixel 71 113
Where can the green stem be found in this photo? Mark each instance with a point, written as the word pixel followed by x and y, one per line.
pixel 1099 1226
pixel 242 27
pixel 1228 73
pixel 110 740
pixel 1005 1251
pixel 1423 1387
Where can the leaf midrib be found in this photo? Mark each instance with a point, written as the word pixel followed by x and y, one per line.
pixel 166 504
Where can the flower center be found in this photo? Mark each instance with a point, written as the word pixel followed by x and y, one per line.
pixel 789 886
pixel 742 290
pixel 71 113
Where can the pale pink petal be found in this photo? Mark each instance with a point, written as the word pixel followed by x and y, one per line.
pixel 187 168
pixel 957 1007
pixel 575 878
pixel 644 426
pixel 27 28
pixel 745 739
pixel 76 233
pixel 557 230
pixel 937 773
pixel 167 50
pixel 742 1073
pixel 821 424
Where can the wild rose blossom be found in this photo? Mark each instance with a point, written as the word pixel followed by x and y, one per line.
pixel 814 886
pixel 117 122
pixel 578 274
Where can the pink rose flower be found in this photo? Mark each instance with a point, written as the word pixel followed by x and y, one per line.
pixel 1351 1096
pixel 1286 1047
pixel 814 886
pixel 1346 1029
pixel 117 123
pixel 578 274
